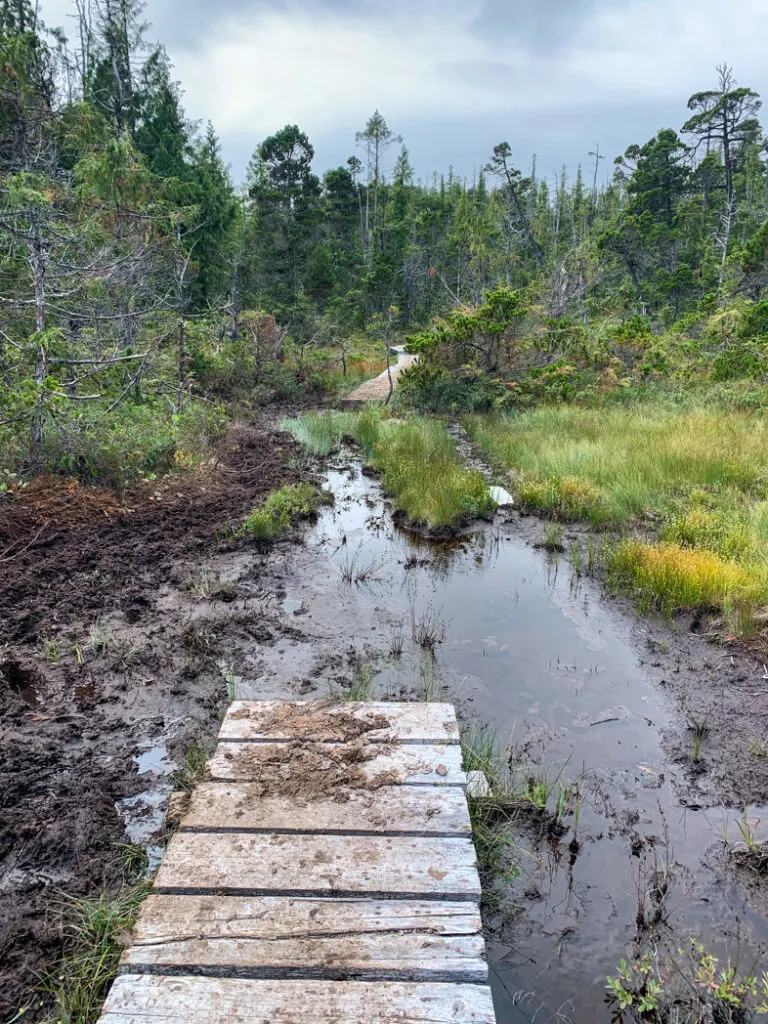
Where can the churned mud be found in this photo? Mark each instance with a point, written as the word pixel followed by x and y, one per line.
pixel 116 639
pixel 126 635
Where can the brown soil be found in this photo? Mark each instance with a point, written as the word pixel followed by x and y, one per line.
pixel 307 771
pixel 315 722
pixel 103 653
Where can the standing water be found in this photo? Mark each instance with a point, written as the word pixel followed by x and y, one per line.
pixel 560 678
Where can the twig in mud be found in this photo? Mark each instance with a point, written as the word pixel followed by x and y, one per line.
pixel 21 551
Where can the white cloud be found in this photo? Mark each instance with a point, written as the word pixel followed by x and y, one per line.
pixel 319 69
pixel 260 70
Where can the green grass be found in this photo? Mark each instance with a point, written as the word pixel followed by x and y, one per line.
pixel 612 465
pixel 282 510
pixel 96 932
pixel 416 457
pixel 698 477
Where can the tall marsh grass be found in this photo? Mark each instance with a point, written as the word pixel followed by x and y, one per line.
pixel 699 477
pixel 417 460
pixel 611 465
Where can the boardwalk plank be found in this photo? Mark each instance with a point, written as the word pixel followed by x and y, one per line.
pixel 238 806
pixel 294 864
pixel 410 956
pixel 162 1000
pixel 280 720
pixel 391 765
pixel 178 917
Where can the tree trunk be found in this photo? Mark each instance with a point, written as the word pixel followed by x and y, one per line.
pixel 182 365
pixel 236 299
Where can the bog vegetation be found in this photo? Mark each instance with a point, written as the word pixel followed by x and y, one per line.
pixel 416 457
pixel 606 342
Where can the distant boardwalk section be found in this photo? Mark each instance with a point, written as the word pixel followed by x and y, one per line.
pixel 377 390
pixel 324 872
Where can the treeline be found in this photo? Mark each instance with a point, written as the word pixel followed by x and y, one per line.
pixel 139 287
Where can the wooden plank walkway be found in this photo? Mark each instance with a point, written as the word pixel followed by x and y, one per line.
pixel 324 872
pixel 377 389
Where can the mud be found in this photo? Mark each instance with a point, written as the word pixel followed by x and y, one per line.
pixel 307 771
pixel 112 633
pixel 125 640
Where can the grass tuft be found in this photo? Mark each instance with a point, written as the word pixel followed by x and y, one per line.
pixel 282 510
pixel 97 930
pixel 672 578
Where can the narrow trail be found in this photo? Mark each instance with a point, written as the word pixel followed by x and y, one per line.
pixel 377 389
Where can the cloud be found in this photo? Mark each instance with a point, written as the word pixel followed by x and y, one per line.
pixel 450 70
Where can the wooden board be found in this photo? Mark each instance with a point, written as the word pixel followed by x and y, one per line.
pixel 411 765
pixel 411 809
pixel 281 720
pixel 161 1000
pixel 165 918
pixel 357 955
pixel 295 864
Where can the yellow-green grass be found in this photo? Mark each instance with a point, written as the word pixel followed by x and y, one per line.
pixel 671 578
pixel 417 460
pixel 698 477
pixel 612 465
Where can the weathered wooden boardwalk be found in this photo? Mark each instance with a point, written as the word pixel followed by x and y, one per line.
pixel 377 389
pixel 324 873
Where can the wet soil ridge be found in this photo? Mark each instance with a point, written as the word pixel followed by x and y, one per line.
pixel 301 900
pixel 114 615
pixel 377 389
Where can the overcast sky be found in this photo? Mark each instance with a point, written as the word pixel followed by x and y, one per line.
pixel 454 77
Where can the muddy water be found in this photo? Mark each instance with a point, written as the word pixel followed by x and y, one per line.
pixel 564 680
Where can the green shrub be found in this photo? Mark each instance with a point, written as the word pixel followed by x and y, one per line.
pixel 136 440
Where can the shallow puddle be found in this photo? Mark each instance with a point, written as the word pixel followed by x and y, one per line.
pixel 562 678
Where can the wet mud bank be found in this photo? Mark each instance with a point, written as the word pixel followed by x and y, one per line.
pixel 117 640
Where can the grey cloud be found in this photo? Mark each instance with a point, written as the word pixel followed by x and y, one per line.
pixel 544 25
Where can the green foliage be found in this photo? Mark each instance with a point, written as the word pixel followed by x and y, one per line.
pixel 417 460
pixel 96 930
pixel 281 511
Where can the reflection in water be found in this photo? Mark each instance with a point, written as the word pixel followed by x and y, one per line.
pixel 558 676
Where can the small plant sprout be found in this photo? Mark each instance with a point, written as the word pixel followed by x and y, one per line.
pixel 231 681
pixel 360 688
pixel 427 629
pixel 193 770
pixel 553 539
pixel 202 584
pixel 427 686
pixel 99 637
pixel 700 732
pixel 577 557
pixel 355 570
pixel 50 650
pixel 397 643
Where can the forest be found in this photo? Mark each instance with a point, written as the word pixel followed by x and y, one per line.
pixel 583 428
pixel 143 292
